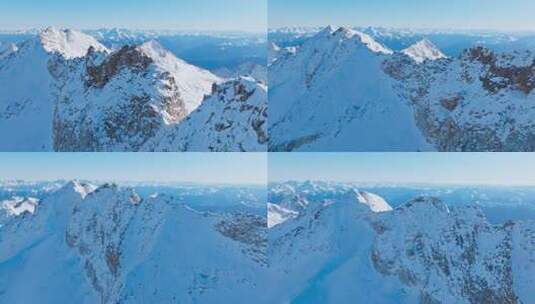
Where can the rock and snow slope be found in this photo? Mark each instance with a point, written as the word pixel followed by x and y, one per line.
pixel 337 250
pixel 27 95
pixel 343 91
pixel 119 102
pixel 232 118
pixel 109 245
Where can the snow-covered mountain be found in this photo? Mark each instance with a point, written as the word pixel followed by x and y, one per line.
pixel 110 245
pixel 27 96
pixel 120 101
pixel 343 92
pixel 333 95
pixel 337 250
pixel 64 91
pixel 423 50
pixel 233 118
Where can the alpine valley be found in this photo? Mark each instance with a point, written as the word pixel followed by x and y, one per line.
pixel 371 89
pixel 64 90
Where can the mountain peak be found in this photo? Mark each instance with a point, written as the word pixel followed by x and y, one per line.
pixel 423 50
pixel 328 30
pixel 426 202
pixel 346 34
pixel 153 49
pixel 373 201
pixel 69 43
pixel 79 187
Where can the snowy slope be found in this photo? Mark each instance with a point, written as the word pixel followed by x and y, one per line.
pixel 333 95
pixel 337 251
pixel 109 245
pixel 120 101
pixel 233 118
pixel 27 91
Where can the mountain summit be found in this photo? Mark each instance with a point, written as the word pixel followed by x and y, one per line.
pixel 423 50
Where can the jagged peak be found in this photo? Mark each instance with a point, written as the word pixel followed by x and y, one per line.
pixel 375 202
pixel 153 49
pixel 68 43
pixel 426 202
pixel 76 186
pixel 242 86
pixel 423 50
pixel 328 30
pixel 348 34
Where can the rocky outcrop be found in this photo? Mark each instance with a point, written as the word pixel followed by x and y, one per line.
pixel 232 118
pixel 123 100
pixel 459 258
pixel 477 102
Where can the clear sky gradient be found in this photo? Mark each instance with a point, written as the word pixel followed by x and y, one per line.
pixel 212 15
pixel 511 15
pixel 435 168
pixel 221 168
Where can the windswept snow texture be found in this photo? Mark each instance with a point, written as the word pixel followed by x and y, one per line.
pixel 64 91
pixel 108 244
pixel 334 249
pixel 344 91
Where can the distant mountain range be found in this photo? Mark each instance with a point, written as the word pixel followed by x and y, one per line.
pixel 334 243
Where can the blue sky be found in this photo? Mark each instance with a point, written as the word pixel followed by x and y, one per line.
pixel 244 15
pixel 228 168
pixel 454 14
pixel 438 168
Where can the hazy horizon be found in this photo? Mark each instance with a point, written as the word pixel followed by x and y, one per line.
pixel 202 168
pixel 230 15
pixel 514 15
pixel 470 169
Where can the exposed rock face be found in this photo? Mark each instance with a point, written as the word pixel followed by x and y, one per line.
pixel 477 102
pixel 459 258
pixel 421 252
pixel 249 230
pixel 233 118
pixel 128 57
pixel 122 100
